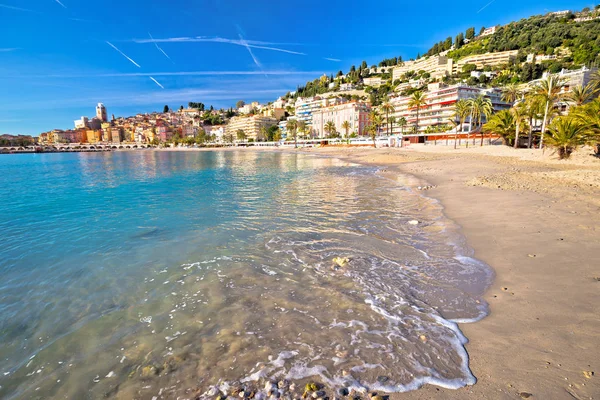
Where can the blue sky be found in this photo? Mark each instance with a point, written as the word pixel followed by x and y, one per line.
pixel 58 58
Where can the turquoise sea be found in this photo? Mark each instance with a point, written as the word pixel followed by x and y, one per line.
pixel 158 275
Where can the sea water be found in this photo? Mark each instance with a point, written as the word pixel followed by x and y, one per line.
pixel 155 275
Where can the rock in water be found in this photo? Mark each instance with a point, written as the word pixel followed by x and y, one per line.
pixel 341 261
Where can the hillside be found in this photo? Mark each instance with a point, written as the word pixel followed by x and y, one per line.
pixel 565 40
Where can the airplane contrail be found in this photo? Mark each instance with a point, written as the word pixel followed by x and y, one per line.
pixel 160 49
pixel 155 81
pixel 123 54
pixel 58 1
pixel 484 7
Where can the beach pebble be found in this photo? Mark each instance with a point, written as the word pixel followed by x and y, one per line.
pixel 282 384
pixel 525 395
pixel 269 387
pixel 343 392
pixel 531 255
pixel 382 379
pixel 110 374
pixel 423 338
pixel 413 222
pixel 588 374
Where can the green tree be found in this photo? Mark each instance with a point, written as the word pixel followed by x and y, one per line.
pixel 459 41
pixel 519 113
pixel 502 123
pixel 292 127
pixel 481 107
pixel 402 122
pixel 240 104
pixel 417 101
pixel 301 126
pixel 165 109
pixel 566 134
pixel 346 126
pixel 241 135
pixel 549 92
pixel 462 110
pixel 589 116
pixel 581 95
pixel 330 129
pixel 388 108
pixel 511 93
pixel 374 124
pixel 470 33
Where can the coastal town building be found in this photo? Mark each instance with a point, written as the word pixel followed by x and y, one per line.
pixel 101 112
pixel 374 82
pixel 439 110
pixel 354 112
pixel 81 123
pixel 482 60
pixel 251 125
pixel 437 66
pixel 489 31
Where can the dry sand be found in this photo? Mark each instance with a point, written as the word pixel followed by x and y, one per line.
pixel 534 219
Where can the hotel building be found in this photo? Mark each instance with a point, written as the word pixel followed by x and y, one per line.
pixel 438 66
pixel 481 60
pixel 250 125
pixel 355 113
pixel 441 100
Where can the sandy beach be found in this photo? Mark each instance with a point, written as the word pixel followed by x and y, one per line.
pixel 533 219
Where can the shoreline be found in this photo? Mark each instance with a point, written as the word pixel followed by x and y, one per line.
pixel 539 338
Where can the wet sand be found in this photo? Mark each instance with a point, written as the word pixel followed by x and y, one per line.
pixel 534 220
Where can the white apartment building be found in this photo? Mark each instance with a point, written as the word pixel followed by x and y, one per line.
pixel 81 123
pixel 250 125
pixel 438 66
pixel 305 107
pixel 374 82
pixel 571 79
pixel 481 60
pixel 354 112
pixel 247 109
pixel 489 31
pixel 441 100
pixel 217 131
pixel 540 57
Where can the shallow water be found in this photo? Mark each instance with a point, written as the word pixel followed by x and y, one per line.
pixel 143 274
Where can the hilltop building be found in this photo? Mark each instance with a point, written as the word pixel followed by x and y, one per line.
pixel 101 112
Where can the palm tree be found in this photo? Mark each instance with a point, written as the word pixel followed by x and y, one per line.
pixel 346 126
pixel 387 108
pixel 330 128
pixel 292 126
pixel 549 92
pixel 417 100
pixel 241 135
pixel 375 122
pixel 511 93
pixel 263 134
pixel 566 134
pixel 533 108
pixel 402 123
pixel 589 115
pixel 480 107
pixel 502 123
pixel 581 95
pixel 301 126
pixel 462 110
pixel 519 112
